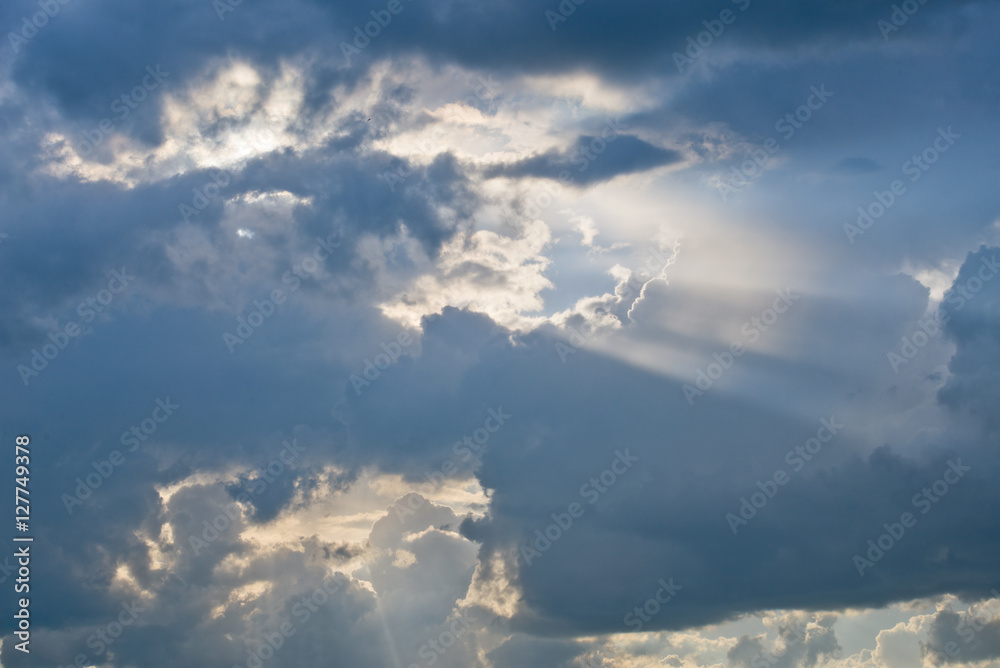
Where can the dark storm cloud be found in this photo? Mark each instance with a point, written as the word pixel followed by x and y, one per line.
pixel 659 517
pixel 666 518
pixel 662 519
pixel 88 55
pixel 972 307
pixel 272 498
pixel 57 266
pixel 626 39
pixel 591 160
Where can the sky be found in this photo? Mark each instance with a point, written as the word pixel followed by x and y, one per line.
pixel 527 334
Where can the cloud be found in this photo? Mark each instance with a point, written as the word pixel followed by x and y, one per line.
pixel 591 160
pixel 248 194
pixel 960 638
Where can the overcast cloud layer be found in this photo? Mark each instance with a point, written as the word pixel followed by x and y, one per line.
pixel 503 335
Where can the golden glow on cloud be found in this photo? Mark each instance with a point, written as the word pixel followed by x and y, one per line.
pixel 483 271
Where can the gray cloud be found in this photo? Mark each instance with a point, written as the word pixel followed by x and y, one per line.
pixel 620 390
pixel 591 160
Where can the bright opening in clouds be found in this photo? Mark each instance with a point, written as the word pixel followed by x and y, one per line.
pixel 532 334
